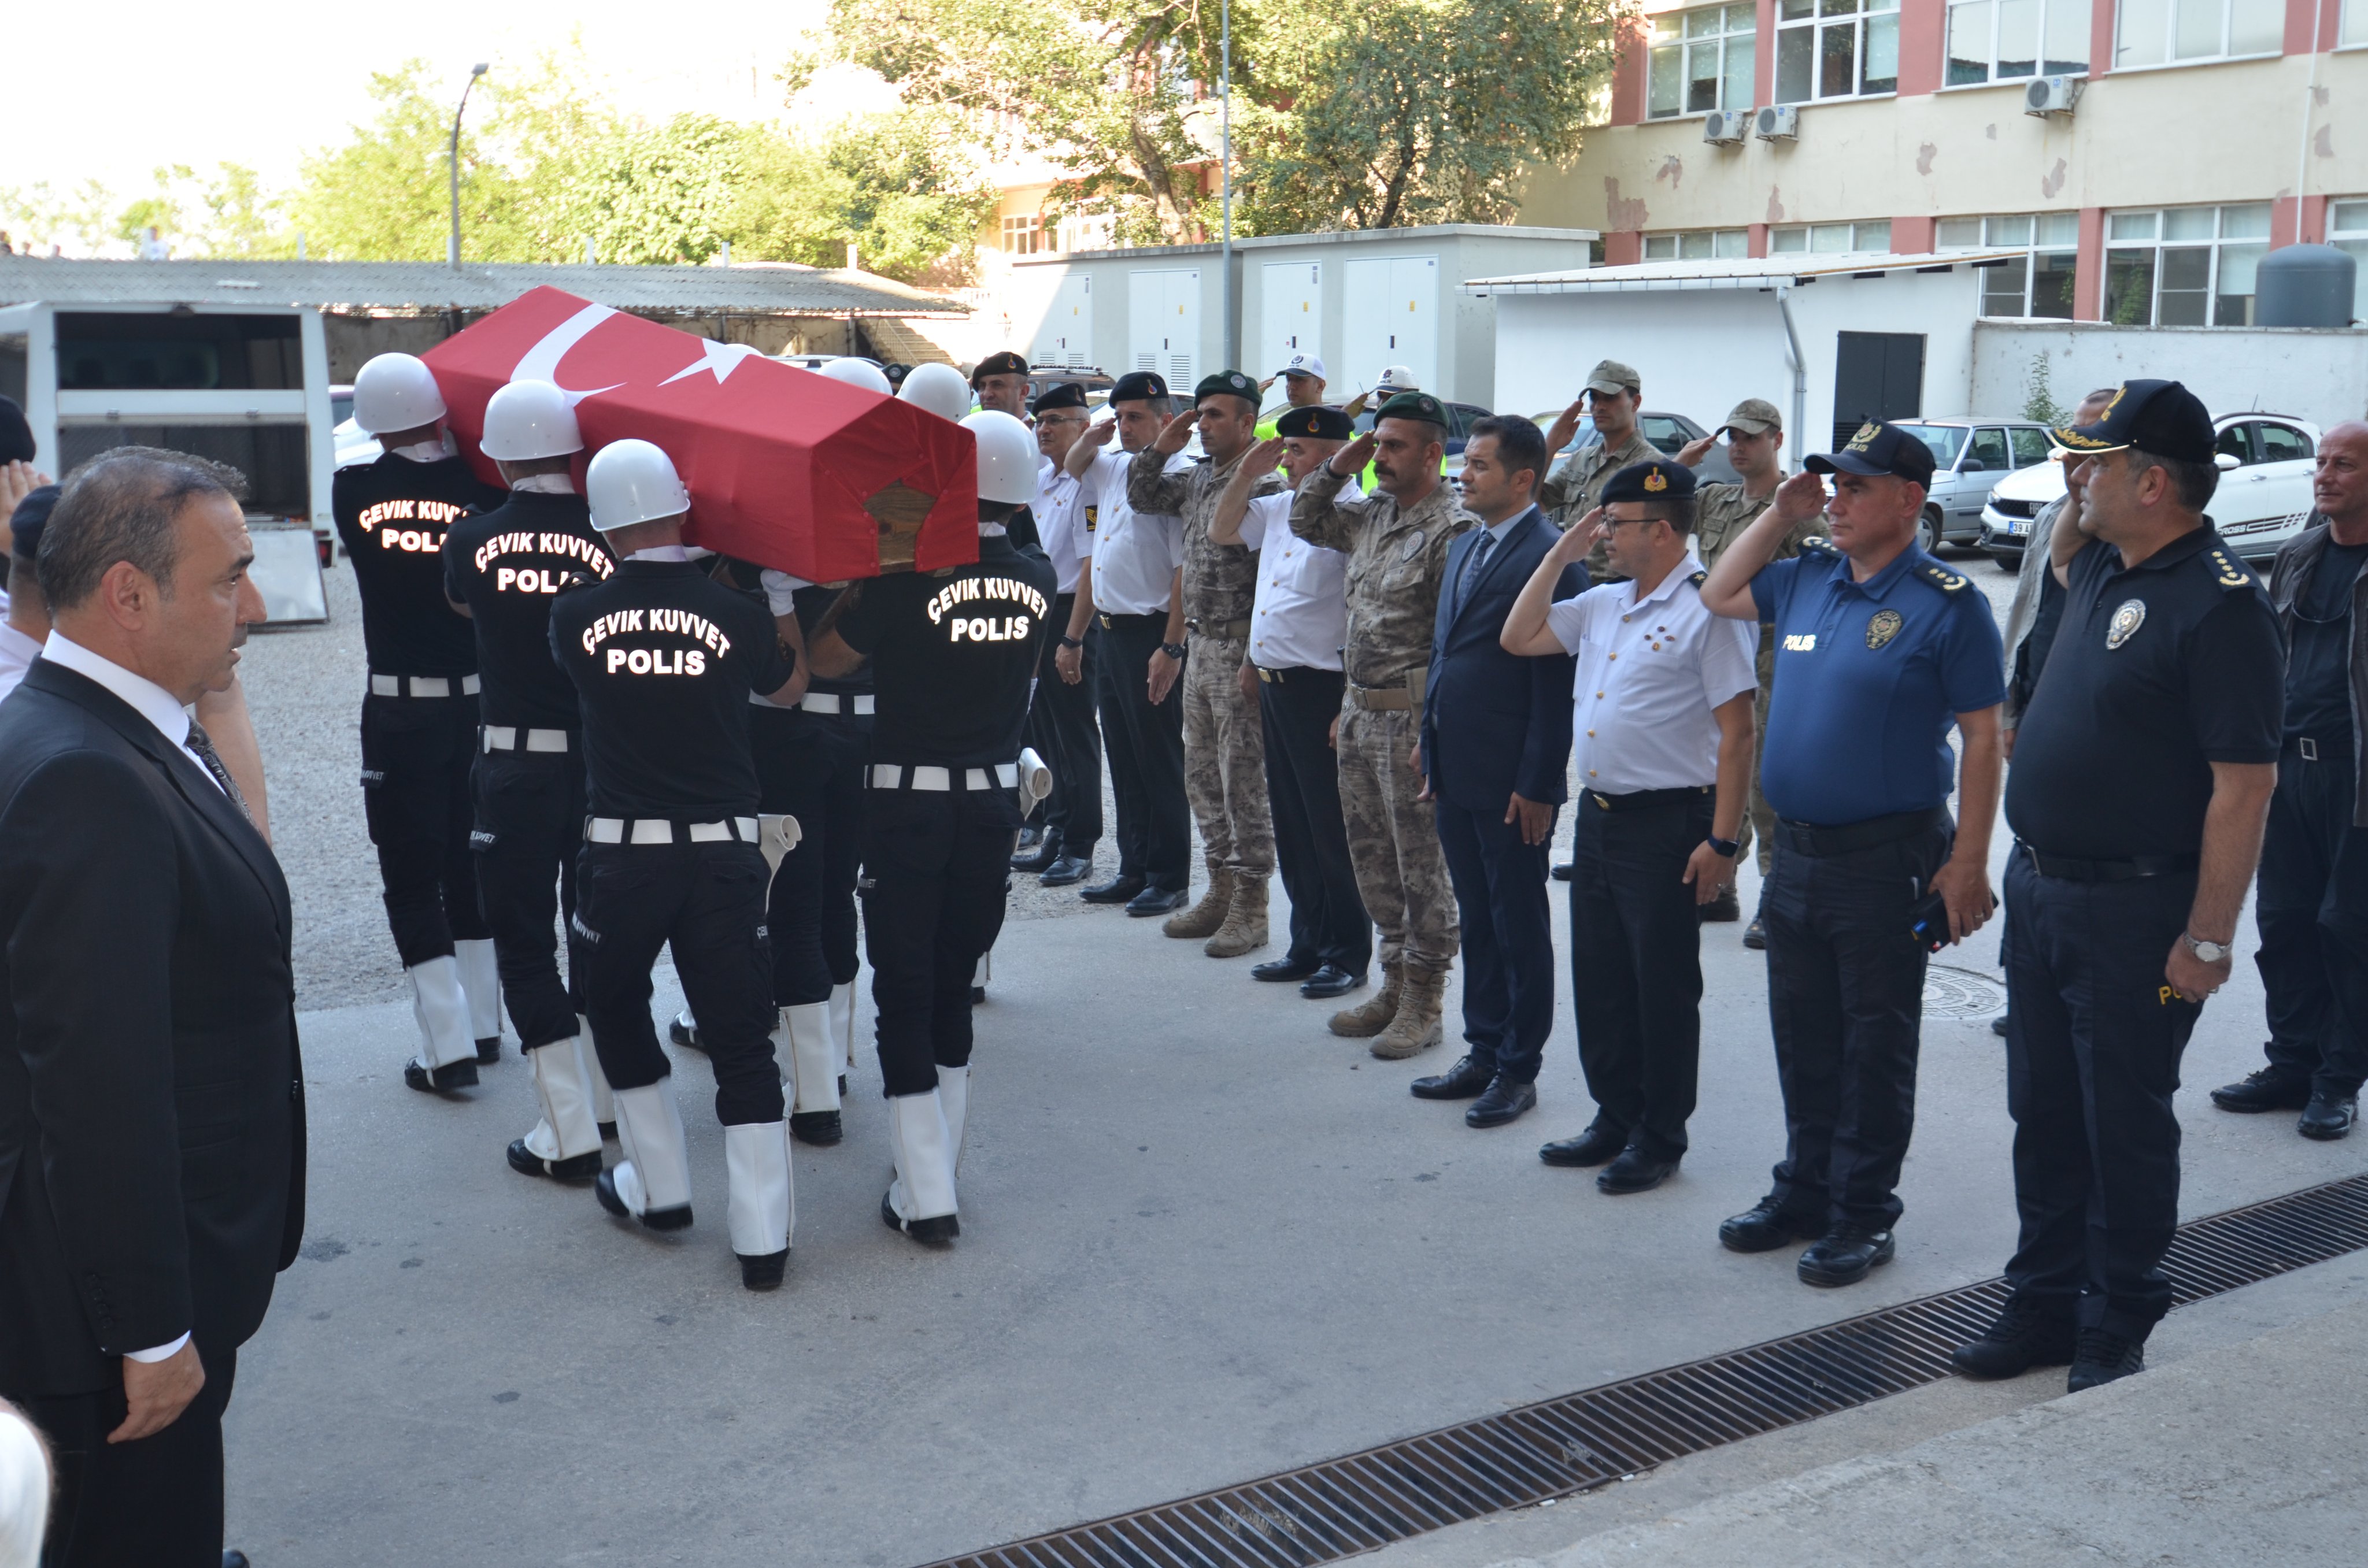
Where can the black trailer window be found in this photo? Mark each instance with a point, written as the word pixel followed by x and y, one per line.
pixel 131 351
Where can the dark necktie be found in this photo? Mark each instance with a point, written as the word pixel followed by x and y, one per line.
pixel 202 743
pixel 1472 568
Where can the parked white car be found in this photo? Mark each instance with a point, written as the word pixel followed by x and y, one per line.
pixel 2266 462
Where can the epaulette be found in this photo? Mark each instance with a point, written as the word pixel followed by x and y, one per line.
pixel 1818 545
pixel 2231 572
pixel 1941 577
pixel 578 580
pixel 1699 578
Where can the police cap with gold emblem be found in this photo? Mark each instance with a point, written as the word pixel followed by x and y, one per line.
pixel 1877 449
pixel 1413 405
pixel 1656 479
pixel 1136 385
pixel 1317 423
pixel 1005 363
pixel 1060 394
pixel 2157 417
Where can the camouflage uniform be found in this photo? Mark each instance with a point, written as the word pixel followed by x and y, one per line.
pixel 1721 514
pixel 1225 748
pixel 1398 560
pixel 1571 492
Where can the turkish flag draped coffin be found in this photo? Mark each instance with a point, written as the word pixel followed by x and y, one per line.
pixel 787 469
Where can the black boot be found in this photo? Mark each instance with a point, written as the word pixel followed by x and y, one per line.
pixel 819 1127
pixel 763 1273
pixel 2026 1333
pixel 2103 1356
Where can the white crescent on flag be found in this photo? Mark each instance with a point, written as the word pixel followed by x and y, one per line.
pixel 540 363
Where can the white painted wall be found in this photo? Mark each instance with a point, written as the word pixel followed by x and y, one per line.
pixel 2313 373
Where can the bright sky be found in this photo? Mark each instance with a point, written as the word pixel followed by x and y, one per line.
pixel 111 91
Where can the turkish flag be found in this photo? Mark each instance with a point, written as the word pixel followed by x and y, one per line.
pixel 787 469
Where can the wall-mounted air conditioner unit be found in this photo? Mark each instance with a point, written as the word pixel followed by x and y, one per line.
pixel 1778 122
pixel 1725 127
pixel 2052 95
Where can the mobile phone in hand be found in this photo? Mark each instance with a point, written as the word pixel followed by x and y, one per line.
pixel 1928 922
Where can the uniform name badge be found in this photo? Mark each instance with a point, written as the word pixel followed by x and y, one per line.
pixel 2125 623
pixel 1883 628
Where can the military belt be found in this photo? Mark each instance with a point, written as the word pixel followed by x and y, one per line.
pixel 1401 699
pixel 1220 630
pixel 2072 868
pixel 1807 838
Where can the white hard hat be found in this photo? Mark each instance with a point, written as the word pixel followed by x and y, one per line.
pixel 1397 379
pixel 1007 458
pixel 1302 364
pixel 632 482
pixel 530 419
pixel 857 373
pixel 938 388
pixel 396 391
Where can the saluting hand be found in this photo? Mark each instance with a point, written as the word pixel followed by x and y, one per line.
pixel 1799 498
pixel 1352 458
pixel 1178 435
pixel 1578 539
pixel 1692 452
pixel 1565 424
pixel 1099 432
pixel 1265 457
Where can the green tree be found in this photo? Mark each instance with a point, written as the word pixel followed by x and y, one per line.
pixel 227 213
pixel 40 215
pixel 896 185
pixel 383 195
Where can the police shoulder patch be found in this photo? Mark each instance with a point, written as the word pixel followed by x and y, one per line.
pixel 2230 572
pixel 1941 577
pixel 1818 545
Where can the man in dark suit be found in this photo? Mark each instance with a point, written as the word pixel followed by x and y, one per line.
pixel 1495 738
pixel 152 1116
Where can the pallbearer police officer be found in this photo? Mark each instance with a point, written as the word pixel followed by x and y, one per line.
pixel 663 658
pixel 419 719
pixel 502 569
pixel 2143 772
pixel 1879 648
pixel 952 653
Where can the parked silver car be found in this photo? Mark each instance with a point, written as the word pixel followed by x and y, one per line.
pixel 1969 456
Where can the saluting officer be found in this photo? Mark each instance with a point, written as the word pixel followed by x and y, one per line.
pixel 1302 376
pixel 952 653
pixel 2143 771
pixel 1610 399
pixel 1298 623
pixel 1879 649
pixel 1397 543
pixel 419 719
pixel 1224 755
pixel 663 657
pixel 502 569
pixel 1061 720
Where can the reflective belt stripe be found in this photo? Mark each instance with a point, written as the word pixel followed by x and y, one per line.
pixel 894 776
pixel 421 685
pixel 506 737
pixel 857 704
pixel 658 830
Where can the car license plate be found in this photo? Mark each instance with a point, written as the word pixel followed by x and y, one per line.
pixel 2016 526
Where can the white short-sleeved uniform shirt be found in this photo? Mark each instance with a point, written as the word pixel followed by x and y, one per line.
pixel 1301 616
pixel 1135 555
pixel 1061 523
pixel 1650 670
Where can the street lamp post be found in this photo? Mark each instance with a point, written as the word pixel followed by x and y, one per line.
pixel 452 245
pixel 1232 329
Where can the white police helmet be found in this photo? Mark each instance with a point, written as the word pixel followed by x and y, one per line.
pixel 530 419
pixel 938 388
pixel 632 482
pixel 857 373
pixel 1396 379
pixel 396 391
pixel 1007 458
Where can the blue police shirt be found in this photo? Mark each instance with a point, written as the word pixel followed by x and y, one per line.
pixel 1870 678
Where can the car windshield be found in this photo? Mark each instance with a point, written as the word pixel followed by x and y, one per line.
pixel 1946 440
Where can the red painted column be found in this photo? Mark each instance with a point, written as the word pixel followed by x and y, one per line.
pixel 1923 24
pixel 1623 247
pixel 1911 237
pixel 2101 38
pixel 1756 243
pixel 2088 269
pixel 1763 57
pixel 1628 73
pixel 2313 26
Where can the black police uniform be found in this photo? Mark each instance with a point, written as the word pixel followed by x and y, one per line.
pixel 419 718
pixel 2156 673
pixel 663 658
pixel 952 655
pixel 507 567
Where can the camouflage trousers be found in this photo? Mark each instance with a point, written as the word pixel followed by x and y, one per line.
pixel 1759 817
pixel 1394 841
pixel 1225 759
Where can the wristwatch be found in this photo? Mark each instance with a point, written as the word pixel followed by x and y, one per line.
pixel 1173 650
pixel 2209 952
pixel 1727 848
pixel 1072 642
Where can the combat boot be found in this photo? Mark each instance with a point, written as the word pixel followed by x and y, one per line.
pixel 1203 918
pixel 1245 926
pixel 1416 1027
pixel 1371 1015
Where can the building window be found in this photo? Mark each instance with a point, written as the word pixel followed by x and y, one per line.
pixel 2347 230
pixel 2171 32
pixel 1697 245
pixel 2354 29
pixel 1701 60
pixel 1838 49
pixel 1025 235
pixel 2184 265
pixel 1089 233
pixel 2001 40
pixel 2038 282
pixel 1830 239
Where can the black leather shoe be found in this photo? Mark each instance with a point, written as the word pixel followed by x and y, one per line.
pixel 1068 868
pixel 1505 1101
pixel 764 1273
pixel 1118 890
pixel 1634 1171
pixel 684 1031
pixel 1844 1255
pixel 1467 1080
pixel 934 1232
pixel 1284 968
pixel 1157 899
pixel 1755 936
pixel 2024 1334
pixel 2329 1115
pixel 1040 857
pixel 1563 872
pixel 578 1167
pixel 1998 1025
pixel 2103 1356
pixel 1329 982
pixel 233 1558
pixel 460 1074
pixel 1764 1227
pixel 489 1051
pixel 1600 1143
pixel 819 1127
pixel 2269 1089
pixel 1723 908
pixel 604 1188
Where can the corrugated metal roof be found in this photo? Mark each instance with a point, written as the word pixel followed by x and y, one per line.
pixel 771 289
pixel 1753 272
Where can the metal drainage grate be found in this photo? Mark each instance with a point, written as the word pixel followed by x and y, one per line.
pixel 1322 1513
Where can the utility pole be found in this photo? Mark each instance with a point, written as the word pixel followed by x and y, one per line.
pixel 1232 330
pixel 452 245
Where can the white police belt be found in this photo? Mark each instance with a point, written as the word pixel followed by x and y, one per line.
pixel 895 775
pixel 509 737
pixel 658 830
pixel 859 703
pixel 420 685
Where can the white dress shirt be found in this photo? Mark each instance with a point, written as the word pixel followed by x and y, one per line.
pixel 18 653
pixel 1650 670
pixel 1301 616
pixel 156 705
pixel 1060 524
pixel 1136 556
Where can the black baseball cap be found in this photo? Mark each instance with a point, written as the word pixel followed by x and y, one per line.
pixel 1228 384
pixel 1136 385
pixel 1060 394
pixel 1005 363
pixel 1877 449
pixel 1656 479
pixel 1317 422
pixel 1413 405
pixel 2161 417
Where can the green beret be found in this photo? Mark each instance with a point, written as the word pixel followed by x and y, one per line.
pixel 1413 405
pixel 1315 421
pixel 1232 384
